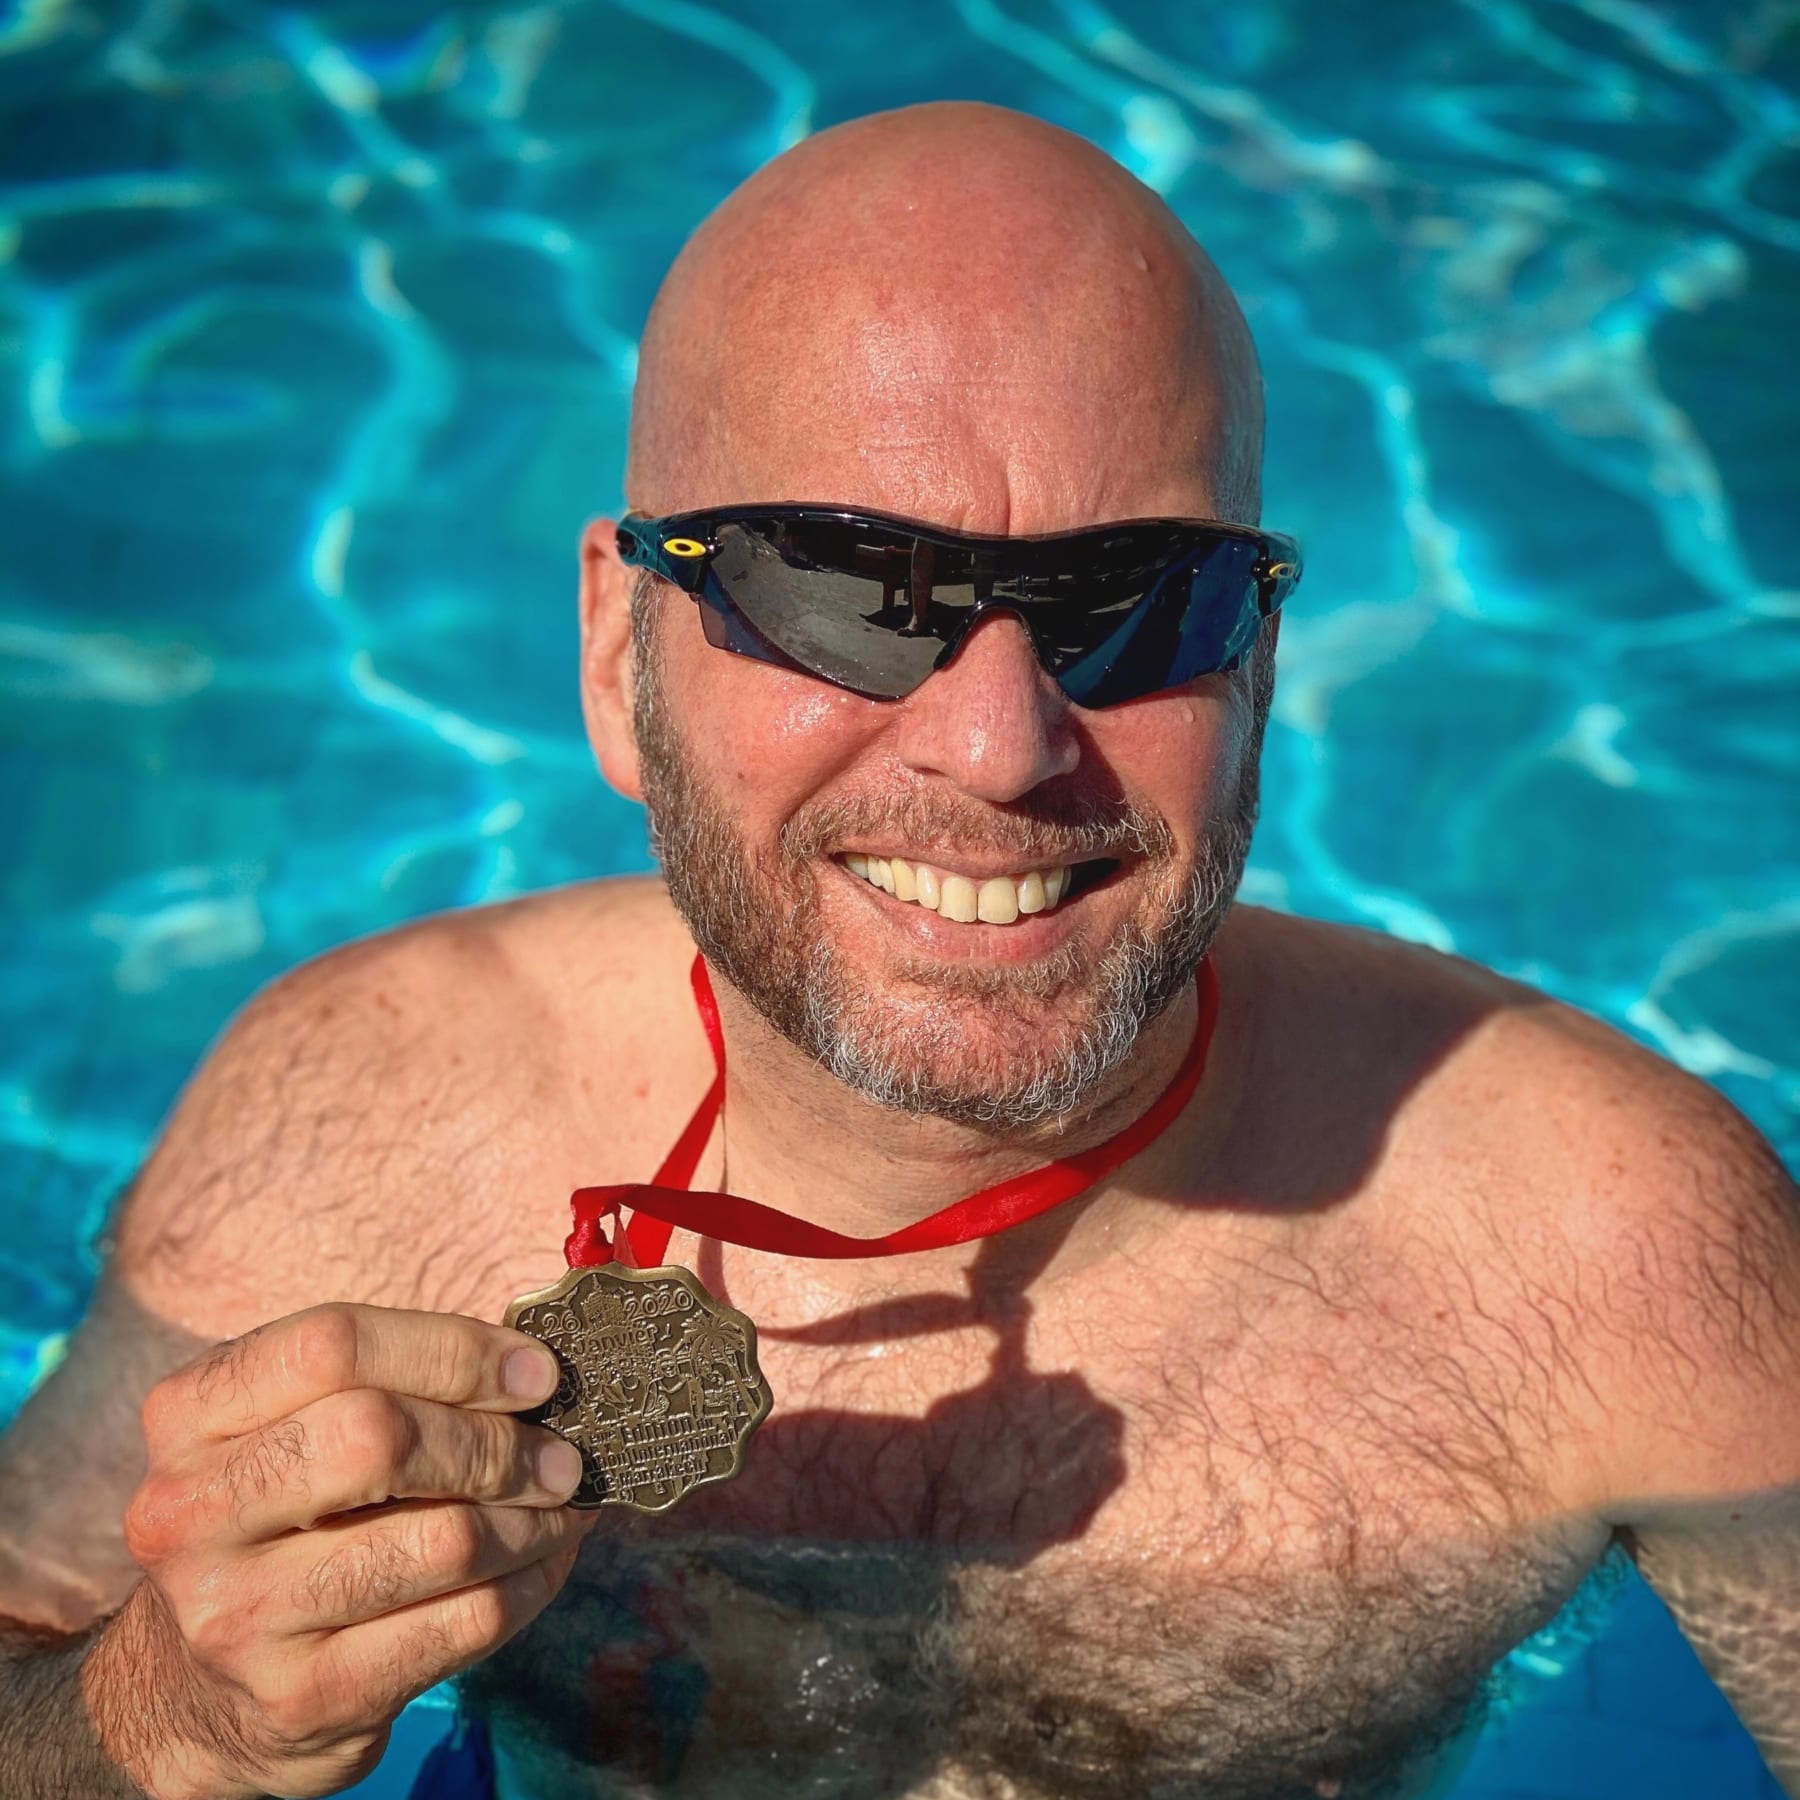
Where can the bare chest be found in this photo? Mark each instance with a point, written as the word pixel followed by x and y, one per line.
pixel 1234 1537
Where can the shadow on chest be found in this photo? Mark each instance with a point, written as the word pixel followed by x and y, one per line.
pixel 1236 1559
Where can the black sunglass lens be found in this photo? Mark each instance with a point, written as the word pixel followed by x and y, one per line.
pixel 1197 617
pixel 857 604
pixel 875 608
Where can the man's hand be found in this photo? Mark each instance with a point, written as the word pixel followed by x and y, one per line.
pixel 337 1514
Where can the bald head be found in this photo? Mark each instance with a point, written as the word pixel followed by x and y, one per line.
pixel 954 312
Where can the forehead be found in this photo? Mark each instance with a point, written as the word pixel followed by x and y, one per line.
pixel 975 344
pixel 1015 400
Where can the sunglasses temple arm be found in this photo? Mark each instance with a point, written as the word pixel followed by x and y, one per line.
pixel 686 573
pixel 1274 582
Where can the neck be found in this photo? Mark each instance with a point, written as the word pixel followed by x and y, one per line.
pixel 798 1139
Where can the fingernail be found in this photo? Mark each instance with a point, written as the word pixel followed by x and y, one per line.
pixel 559 1466
pixel 528 1374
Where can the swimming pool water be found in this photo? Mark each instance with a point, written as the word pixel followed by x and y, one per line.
pixel 317 332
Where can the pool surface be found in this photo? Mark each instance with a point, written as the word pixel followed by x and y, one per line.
pixel 317 334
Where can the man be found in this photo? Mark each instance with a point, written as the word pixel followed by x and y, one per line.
pixel 1230 1476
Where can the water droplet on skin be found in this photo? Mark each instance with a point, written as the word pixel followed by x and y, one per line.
pixel 807 714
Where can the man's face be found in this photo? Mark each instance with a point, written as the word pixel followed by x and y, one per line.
pixel 759 782
pixel 971 319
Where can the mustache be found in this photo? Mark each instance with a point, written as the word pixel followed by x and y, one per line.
pixel 1046 829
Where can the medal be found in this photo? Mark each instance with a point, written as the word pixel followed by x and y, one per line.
pixel 660 1390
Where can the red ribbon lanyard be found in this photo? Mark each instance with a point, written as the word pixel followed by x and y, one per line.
pixel 661 1205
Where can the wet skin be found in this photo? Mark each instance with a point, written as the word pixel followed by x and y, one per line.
pixel 1243 1498
pixel 1244 1494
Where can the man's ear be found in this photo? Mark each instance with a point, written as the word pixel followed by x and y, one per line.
pixel 607 664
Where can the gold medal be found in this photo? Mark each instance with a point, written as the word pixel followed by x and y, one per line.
pixel 660 1389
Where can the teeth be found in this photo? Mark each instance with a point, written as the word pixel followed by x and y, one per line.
pixel 958 900
pixel 998 901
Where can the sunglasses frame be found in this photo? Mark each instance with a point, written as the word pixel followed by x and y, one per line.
pixel 679 548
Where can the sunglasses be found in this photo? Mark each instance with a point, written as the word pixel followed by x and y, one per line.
pixel 877 603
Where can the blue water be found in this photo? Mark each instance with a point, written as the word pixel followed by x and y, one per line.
pixel 317 334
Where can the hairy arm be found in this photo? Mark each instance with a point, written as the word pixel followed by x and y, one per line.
pixel 67 1468
pixel 303 1146
pixel 1729 1571
pixel 48 1744
pixel 1705 1478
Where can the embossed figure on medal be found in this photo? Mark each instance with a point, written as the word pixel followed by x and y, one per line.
pixel 660 1387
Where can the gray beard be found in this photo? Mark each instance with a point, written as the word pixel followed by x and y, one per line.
pixel 904 1045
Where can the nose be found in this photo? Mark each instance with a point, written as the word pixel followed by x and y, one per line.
pixel 992 721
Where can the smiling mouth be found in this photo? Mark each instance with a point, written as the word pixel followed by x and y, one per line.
pixel 997 900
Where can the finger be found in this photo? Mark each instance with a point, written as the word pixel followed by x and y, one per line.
pixel 370 1564
pixel 252 1381
pixel 399 1655
pixel 367 1447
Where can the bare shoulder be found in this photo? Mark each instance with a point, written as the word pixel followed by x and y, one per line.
pixel 1679 1231
pixel 1646 1230
pixel 365 1109
pixel 381 1124
pixel 1502 1064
